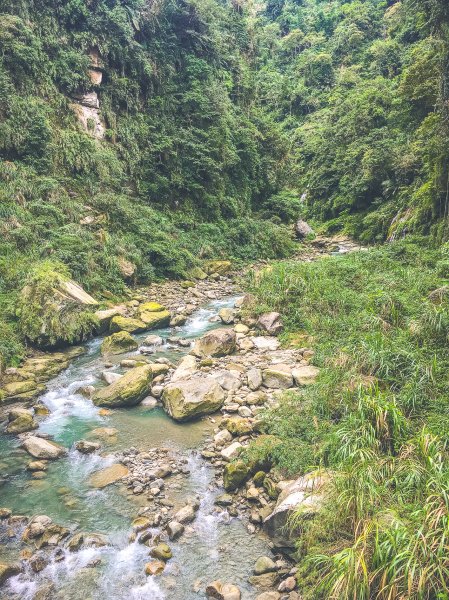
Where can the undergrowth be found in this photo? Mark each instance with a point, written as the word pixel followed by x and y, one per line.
pixel 376 420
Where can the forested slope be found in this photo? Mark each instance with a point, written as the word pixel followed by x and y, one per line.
pixel 138 137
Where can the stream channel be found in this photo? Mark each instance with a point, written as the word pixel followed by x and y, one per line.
pixel 215 547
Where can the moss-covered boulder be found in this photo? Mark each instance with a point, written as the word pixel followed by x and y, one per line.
pixel 54 310
pixel 234 474
pixel 129 390
pixel 237 425
pixel 162 551
pixel 217 266
pixel 151 307
pixel 154 319
pixel 196 273
pixel 190 398
pixel 20 420
pixel 120 323
pixel 119 342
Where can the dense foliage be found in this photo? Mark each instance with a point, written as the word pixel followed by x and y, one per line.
pixel 376 420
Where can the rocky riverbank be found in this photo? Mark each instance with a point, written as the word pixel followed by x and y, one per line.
pixel 228 376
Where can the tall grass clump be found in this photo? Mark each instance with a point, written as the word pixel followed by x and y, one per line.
pixel 376 420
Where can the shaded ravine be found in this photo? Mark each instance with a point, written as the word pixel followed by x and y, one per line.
pixel 214 546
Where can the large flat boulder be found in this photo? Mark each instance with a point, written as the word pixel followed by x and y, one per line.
pixel 190 398
pixel 40 448
pixel 118 343
pixel 302 495
pixel 218 342
pixel 120 323
pixel 109 475
pixel 129 390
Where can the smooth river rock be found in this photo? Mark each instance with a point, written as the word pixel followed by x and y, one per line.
pixel 118 343
pixel 223 591
pixel 101 479
pixel 218 342
pixel 190 398
pixel 129 390
pixel 46 449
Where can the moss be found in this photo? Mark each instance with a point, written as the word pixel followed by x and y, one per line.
pixel 47 315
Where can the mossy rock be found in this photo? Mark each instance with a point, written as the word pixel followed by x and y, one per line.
pixel 155 320
pixel 237 425
pixel 151 307
pixel 161 551
pixel 120 323
pixel 221 267
pixel 119 342
pixel 271 488
pixel 187 284
pixel 129 390
pixel 234 474
pixel 54 310
pixel 197 273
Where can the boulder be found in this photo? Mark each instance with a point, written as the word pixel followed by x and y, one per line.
pixel 8 570
pixel 265 581
pixel 104 318
pixel 278 377
pixel 186 514
pixel 109 475
pixel 161 551
pixel 228 381
pixel 222 591
pixel 186 367
pixel 237 425
pixel 20 421
pixel 264 564
pixel 129 390
pixel 174 530
pixel 54 310
pixel 86 447
pixel 153 340
pixel 234 474
pixel 190 398
pixel 227 315
pixel 269 596
pixel 217 266
pixel 120 323
pixel 154 315
pixel 110 377
pixel 154 567
pixel 270 322
pixel 86 540
pixel 302 229
pixel 305 375
pixel 219 342
pixel 302 495
pixel 40 448
pixel 288 585
pixel 117 343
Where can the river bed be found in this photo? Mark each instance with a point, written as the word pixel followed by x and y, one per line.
pixel 214 547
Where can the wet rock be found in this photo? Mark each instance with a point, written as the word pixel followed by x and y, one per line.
pixel 20 421
pixel 305 375
pixel 175 530
pixel 85 390
pixel 264 564
pixel 178 320
pixel 288 585
pixel 86 540
pixel 104 432
pixel 185 515
pixel 128 324
pixel 104 318
pixel 46 449
pixel 141 523
pixel 86 447
pixel 153 340
pixel 101 479
pixel 38 562
pixel 118 343
pixel 155 319
pixel 129 390
pixel 223 591
pixel 36 527
pixel 265 581
pixel 218 342
pixel 278 377
pixel 269 596
pixel 149 402
pixel 190 398
pixel 162 552
pixel 154 567
pixel 270 322
pixel 5 513
pixel 45 592
pixel 234 474
pixel 8 570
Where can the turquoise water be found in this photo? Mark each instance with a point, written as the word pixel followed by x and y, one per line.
pixel 214 547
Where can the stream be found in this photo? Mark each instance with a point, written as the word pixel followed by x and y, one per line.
pixel 215 545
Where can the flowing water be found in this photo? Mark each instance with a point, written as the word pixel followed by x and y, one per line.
pixel 215 547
